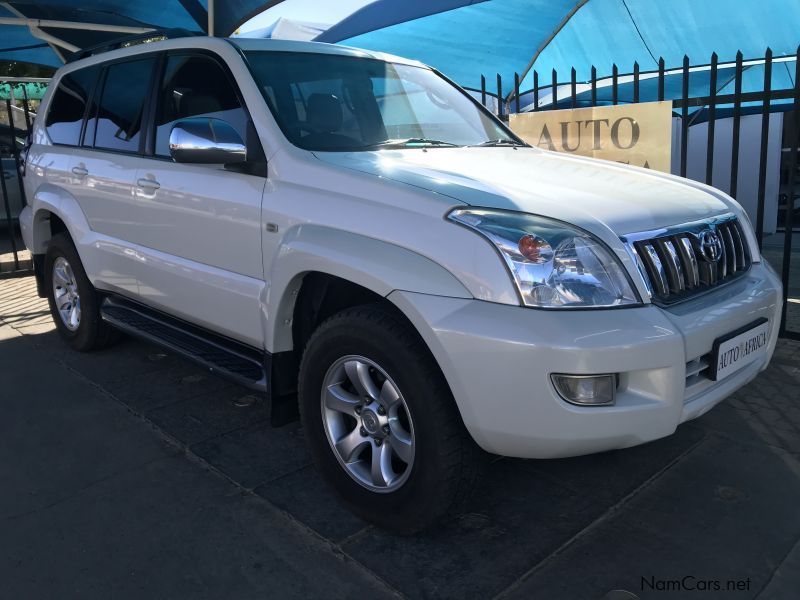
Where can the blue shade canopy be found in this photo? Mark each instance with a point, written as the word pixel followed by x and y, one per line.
pixel 604 32
pixel 462 38
pixel 466 39
pixel 17 44
pixel 46 32
pixel 379 15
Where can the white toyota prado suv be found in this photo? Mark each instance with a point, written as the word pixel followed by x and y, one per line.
pixel 354 236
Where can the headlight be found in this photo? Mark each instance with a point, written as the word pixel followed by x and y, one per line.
pixel 554 265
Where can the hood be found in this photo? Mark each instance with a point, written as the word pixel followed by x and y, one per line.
pixel 578 190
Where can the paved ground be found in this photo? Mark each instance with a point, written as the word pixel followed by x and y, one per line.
pixel 131 474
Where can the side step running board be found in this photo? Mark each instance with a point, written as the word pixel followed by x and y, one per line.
pixel 244 365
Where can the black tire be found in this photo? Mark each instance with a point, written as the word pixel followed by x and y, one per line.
pixel 446 462
pixel 92 332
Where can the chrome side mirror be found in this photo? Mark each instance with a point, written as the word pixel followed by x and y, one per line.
pixel 202 140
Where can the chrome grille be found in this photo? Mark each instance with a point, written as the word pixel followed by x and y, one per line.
pixel 686 261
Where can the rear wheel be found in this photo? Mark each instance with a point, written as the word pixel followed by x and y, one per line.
pixel 73 300
pixel 381 422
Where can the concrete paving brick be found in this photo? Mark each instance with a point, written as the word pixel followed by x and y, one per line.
pixel 160 379
pixel 257 454
pixel 785 582
pixel 205 416
pixel 305 496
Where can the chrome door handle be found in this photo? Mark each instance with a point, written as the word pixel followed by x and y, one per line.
pixel 148 184
pixel 80 171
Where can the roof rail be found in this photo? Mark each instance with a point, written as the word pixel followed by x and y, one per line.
pixel 156 35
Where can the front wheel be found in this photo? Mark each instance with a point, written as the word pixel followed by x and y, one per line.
pixel 381 422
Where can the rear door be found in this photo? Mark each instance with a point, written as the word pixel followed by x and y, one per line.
pixel 63 124
pixel 103 171
pixel 202 222
pixel 110 155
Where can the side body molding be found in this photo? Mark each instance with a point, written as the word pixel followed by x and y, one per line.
pixel 371 263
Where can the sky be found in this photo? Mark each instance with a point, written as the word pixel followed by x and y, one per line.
pixel 312 11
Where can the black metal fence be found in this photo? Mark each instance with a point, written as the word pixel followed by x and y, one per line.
pixel 16 121
pixel 707 106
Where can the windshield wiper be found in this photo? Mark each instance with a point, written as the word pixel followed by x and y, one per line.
pixel 405 143
pixel 500 143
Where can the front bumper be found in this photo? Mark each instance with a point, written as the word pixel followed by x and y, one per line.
pixel 498 360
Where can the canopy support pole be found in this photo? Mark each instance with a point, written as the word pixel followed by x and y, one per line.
pixel 26 22
pixel 53 40
pixel 211 18
pixel 55 44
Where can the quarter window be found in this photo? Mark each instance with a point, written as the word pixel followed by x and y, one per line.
pixel 65 116
pixel 195 86
pixel 118 122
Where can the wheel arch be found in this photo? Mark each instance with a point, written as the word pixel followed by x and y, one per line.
pixel 316 296
pixel 319 271
pixel 375 267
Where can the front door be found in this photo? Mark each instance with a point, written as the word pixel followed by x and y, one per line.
pixel 201 223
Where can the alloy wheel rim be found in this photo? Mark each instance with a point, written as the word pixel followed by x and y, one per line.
pixel 368 424
pixel 66 295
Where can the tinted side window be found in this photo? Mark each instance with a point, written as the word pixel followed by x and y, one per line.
pixel 195 86
pixel 118 123
pixel 65 116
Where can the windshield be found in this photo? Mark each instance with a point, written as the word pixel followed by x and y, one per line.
pixel 344 103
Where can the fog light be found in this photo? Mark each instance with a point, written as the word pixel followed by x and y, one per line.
pixel 586 390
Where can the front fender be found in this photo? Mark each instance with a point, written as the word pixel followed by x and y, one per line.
pixel 379 266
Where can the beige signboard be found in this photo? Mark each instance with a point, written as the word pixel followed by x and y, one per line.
pixel 635 134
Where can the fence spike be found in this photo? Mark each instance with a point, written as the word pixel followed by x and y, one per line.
pixel 500 102
pixel 684 115
pixel 737 118
pixel 573 87
pixel 712 119
pixel 762 169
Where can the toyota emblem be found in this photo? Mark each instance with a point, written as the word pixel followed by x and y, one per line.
pixel 710 246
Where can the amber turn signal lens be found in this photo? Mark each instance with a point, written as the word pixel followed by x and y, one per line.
pixel 535 249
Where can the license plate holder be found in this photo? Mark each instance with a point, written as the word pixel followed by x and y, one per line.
pixel 739 348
